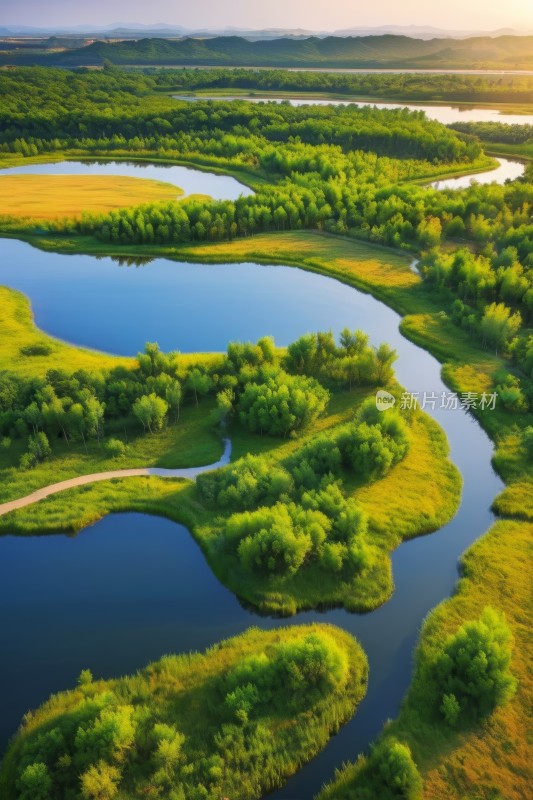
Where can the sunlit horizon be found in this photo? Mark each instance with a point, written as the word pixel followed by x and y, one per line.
pixel 336 15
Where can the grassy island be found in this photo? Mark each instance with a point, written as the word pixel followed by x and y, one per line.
pixel 322 486
pixel 235 721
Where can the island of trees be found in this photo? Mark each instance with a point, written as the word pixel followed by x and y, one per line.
pixel 235 721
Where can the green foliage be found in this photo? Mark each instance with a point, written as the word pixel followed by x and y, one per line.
pixel 325 528
pixel 100 782
pixel 151 411
pixel 35 782
pixel 233 722
pixel 276 540
pixel 85 677
pixel 499 325
pixel 528 441
pixel 281 404
pixel 115 448
pixel 397 771
pixel 249 482
pixel 38 450
pixel 473 672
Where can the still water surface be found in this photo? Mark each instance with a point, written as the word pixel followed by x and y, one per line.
pixel 192 181
pixel 133 587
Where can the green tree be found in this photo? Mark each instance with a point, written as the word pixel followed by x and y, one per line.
pixel 35 782
pixel 499 324
pixel 173 395
pixel 474 668
pixel 100 782
pixel 151 411
pixel 199 382
pixel 39 446
pixel 396 770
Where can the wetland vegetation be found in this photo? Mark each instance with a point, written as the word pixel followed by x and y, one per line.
pixel 322 487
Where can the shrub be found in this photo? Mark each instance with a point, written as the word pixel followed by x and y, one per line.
pixel 41 349
pixel 250 482
pixel 115 448
pixel 39 446
pixel 396 770
pixel 277 540
pixel 315 460
pixel 474 669
pixel 306 671
pixel 281 403
pixel 35 782
pixel 100 782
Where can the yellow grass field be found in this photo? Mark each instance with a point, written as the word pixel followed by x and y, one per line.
pixel 48 197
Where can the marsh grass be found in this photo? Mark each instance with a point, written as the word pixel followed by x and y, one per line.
pixel 50 197
pixel 187 693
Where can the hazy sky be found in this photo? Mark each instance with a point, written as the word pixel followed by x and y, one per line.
pixel 311 14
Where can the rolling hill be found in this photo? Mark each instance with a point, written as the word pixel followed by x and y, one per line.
pixel 484 52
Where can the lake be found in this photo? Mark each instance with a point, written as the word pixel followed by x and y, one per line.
pixel 133 587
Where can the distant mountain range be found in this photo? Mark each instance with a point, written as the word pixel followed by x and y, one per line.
pixel 370 52
pixel 163 30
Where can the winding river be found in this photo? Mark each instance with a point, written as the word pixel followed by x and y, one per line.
pixel 133 587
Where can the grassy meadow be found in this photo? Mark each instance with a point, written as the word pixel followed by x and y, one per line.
pixel 51 197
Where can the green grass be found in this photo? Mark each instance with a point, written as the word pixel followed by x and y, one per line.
pixel 52 197
pixel 491 760
pixel 242 758
pixel 193 441
pixel 520 151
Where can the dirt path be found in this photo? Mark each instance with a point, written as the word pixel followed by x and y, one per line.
pixel 54 488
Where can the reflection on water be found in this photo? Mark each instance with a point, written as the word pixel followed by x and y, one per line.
pixel 131 261
pixel 507 170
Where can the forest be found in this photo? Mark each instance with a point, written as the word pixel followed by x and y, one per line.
pixel 344 170
pixel 405 86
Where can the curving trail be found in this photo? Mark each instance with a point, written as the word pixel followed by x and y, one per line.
pixel 54 488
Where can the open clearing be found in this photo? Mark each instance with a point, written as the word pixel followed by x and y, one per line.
pixel 49 197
